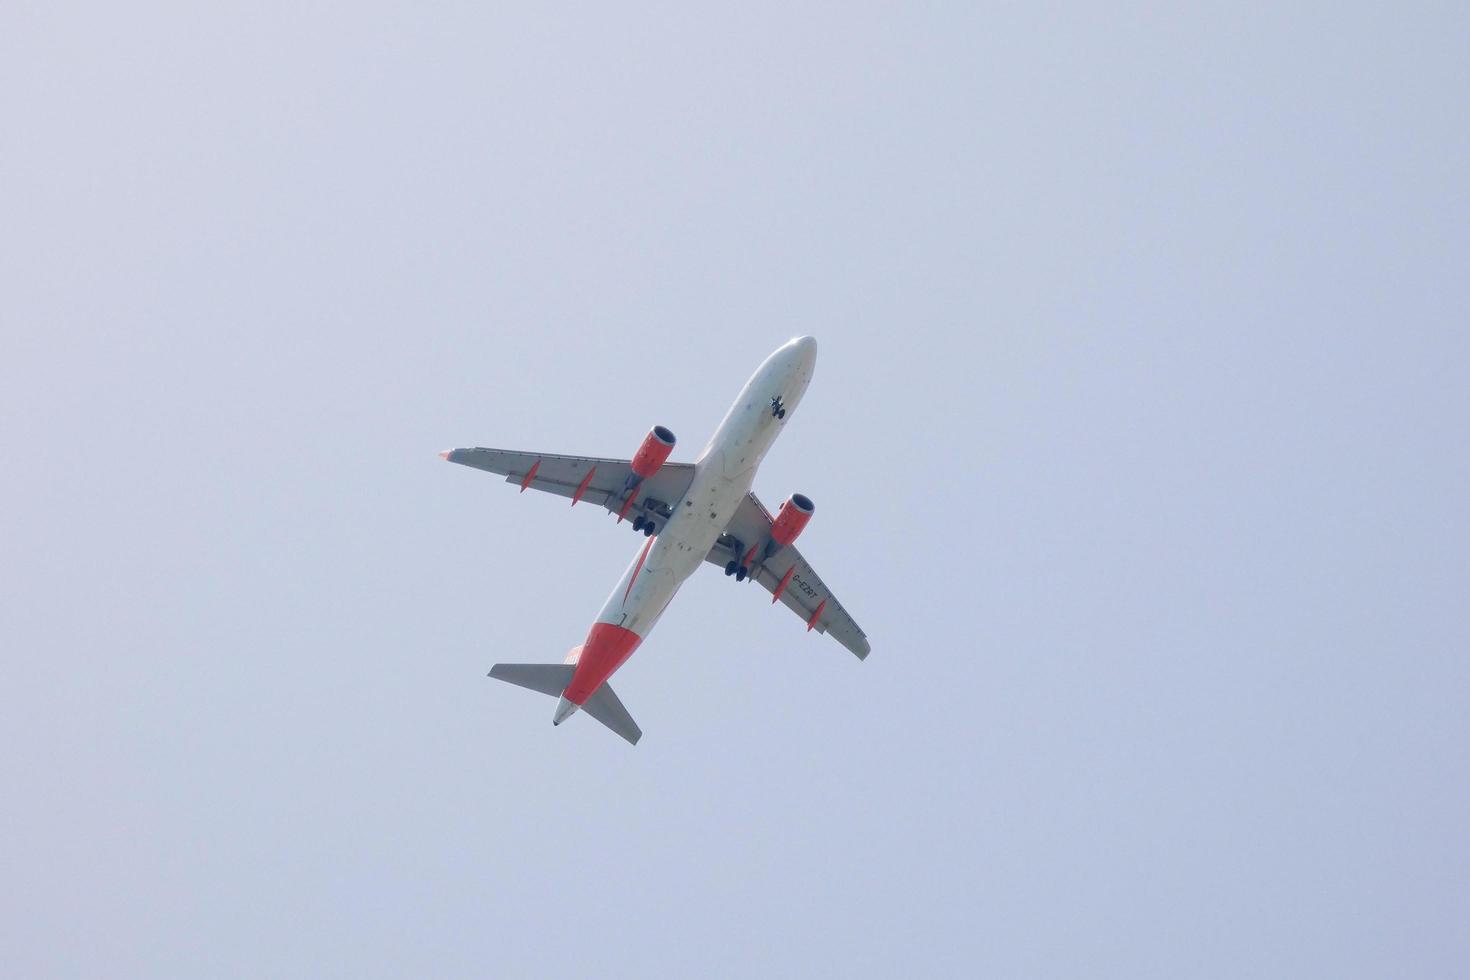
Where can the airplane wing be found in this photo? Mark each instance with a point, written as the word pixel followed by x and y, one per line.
pixel 599 481
pixel 805 593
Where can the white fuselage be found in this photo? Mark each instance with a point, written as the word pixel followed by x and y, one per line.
pixel 723 475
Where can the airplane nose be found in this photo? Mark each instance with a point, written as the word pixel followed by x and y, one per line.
pixel 805 348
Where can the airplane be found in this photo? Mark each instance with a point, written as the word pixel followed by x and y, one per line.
pixel 690 513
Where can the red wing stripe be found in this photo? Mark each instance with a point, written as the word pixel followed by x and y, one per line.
pixel 816 616
pixel 785 581
pixel 530 475
pixel 626 504
pixel 582 487
pixel 641 559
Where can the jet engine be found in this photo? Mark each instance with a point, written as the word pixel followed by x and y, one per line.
pixel 791 519
pixel 651 455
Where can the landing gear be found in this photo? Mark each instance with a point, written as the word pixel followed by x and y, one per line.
pixel 645 525
pixel 638 523
pixel 736 565
pixel 781 413
pixel 778 408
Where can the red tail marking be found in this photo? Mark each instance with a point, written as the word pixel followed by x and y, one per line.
pixel 816 616
pixel 530 475
pixel 785 581
pixel 626 504
pixel 582 487
pixel 637 570
pixel 606 649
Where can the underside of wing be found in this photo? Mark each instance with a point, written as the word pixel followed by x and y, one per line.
pixel 608 483
pixel 786 575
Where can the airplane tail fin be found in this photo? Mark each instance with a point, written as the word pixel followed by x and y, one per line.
pixel 552 680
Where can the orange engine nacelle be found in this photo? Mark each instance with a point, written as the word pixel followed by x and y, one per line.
pixel 651 455
pixel 792 518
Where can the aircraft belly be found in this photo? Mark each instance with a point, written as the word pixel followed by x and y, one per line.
pixel 648 597
pixel 724 474
pixel 665 561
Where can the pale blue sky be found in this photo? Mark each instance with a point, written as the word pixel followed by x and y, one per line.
pixel 1138 439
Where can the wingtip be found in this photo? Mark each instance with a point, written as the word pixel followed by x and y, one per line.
pixel 445 454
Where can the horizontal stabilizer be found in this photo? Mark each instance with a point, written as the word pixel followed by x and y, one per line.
pixel 552 680
pixel 606 708
pixel 549 679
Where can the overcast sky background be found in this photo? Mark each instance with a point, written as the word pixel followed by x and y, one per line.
pixel 1138 438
